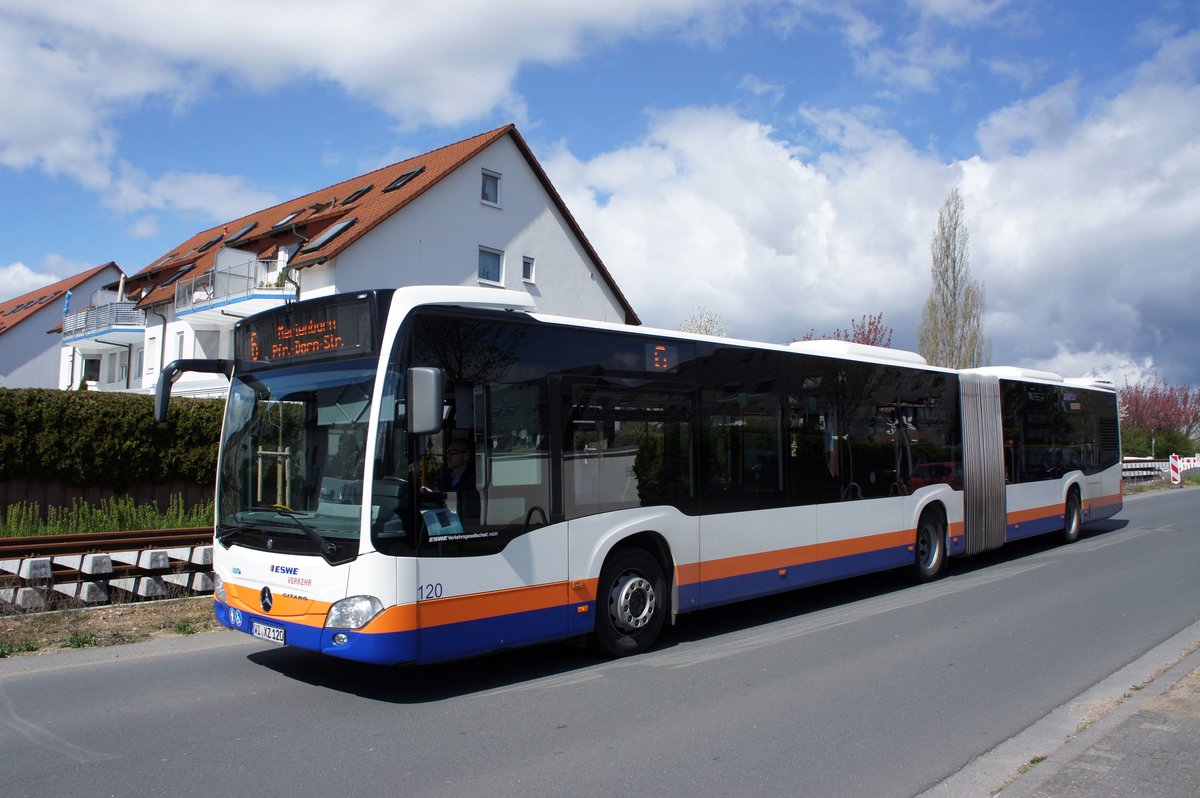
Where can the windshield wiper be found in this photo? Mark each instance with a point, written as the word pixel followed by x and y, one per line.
pixel 225 533
pixel 328 549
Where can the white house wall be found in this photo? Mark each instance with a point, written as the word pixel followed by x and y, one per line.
pixel 28 356
pixel 436 240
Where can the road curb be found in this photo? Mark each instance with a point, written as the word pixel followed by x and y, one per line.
pixel 1009 771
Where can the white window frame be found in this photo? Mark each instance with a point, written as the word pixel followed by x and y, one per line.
pixel 483 181
pixel 528 273
pixel 152 355
pixel 479 272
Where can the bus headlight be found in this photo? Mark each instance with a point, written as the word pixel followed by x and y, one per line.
pixel 354 612
pixel 219 589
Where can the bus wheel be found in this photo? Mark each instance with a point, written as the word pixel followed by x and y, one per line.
pixel 630 603
pixel 1072 518
pixel 930 547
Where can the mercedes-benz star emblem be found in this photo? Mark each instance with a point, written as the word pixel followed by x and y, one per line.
pixel 265 600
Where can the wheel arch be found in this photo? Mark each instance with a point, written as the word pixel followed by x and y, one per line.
pixel 655 544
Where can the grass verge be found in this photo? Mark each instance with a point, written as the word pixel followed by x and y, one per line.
pixel 32 633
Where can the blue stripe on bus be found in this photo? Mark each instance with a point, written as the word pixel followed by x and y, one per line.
pixel 1036 526
pixel 431 644
pixel 715 592
pixel 469 638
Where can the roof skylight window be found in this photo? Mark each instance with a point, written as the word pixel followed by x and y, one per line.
pixel 331 232
pixel 358 194
pixel 177 275
pixel 209 244
pixel 163 262
pixel 287 219
pixel 240 233
pixel 403 179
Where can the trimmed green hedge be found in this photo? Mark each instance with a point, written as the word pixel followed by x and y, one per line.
pixel 106 440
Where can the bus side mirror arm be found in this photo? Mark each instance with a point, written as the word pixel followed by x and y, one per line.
pixel 172 372
pixel 424 398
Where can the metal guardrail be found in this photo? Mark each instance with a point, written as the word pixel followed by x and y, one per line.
pixel 103 317
pixel 223 285
pixel 56 571
pixel 1135 470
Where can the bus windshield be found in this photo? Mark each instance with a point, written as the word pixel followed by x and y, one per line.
pixel 292 463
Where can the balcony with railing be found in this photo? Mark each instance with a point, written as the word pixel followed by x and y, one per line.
pixel 235 291
pixel 119 323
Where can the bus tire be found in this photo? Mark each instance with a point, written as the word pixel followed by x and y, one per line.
pixel 1072 517
pixel 631 603
pixel 930 547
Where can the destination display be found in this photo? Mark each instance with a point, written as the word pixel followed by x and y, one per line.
pixel 308 331
pixel 661 357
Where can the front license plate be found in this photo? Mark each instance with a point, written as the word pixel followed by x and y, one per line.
pixel 265 632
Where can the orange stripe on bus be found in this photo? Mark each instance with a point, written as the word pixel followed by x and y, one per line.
pixel 1035 514
pixel 802 555
pixel 457 609
pixel 302 611
pixel 1104 501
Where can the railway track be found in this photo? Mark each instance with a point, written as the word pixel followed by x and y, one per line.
pixel 53 571
pixel 88 543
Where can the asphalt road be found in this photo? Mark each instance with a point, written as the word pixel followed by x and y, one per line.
pixel 871 687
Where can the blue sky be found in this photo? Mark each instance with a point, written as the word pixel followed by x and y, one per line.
pixel 778 162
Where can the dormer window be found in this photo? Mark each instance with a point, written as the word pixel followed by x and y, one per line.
pixel 489 192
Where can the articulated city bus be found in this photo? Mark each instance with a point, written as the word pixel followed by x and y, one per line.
pixel 428 473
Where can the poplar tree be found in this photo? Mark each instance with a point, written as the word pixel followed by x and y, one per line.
pixel 951 331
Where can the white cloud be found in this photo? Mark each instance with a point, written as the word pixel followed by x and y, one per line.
pixel 144 227
pixel 1085 236
pixel 69 70
pixel 220 197
pixel 1049 117
pixel 16 278
pixel 716 210
pixel 959 12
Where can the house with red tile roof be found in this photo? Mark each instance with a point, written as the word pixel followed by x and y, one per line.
pixel 31 351
pixel 477 212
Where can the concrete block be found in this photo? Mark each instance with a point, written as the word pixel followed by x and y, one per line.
pixel 33 568
pixel 180 554
pixel 125 557
pixel 194 581
pixel 154 560
pixel 87 592
pixel 10 566
pixel 150 587
pixel 30 598
pixel 202 555
pixel 144 586
pixel 96 564
pixel 126 584
pixel 92 592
